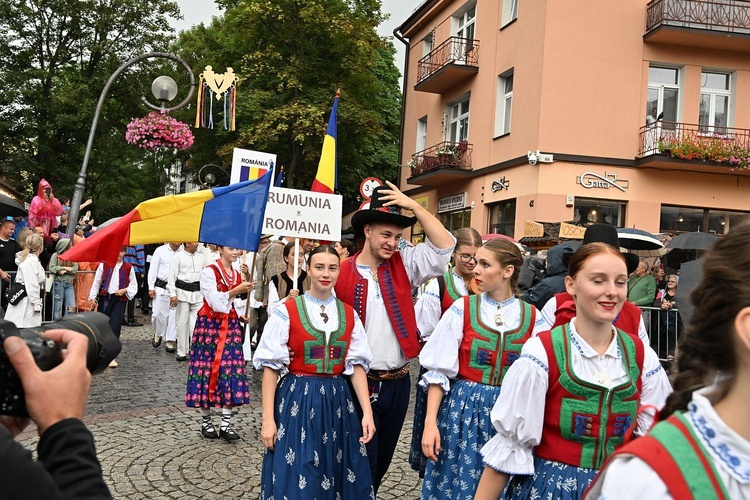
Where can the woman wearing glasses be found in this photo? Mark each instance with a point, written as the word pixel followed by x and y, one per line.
pixel 476 341
pixel 438 296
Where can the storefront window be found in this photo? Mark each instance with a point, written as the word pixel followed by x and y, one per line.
pixel 456 220
pixel 590 210
pixel 685 219
pixel 503 218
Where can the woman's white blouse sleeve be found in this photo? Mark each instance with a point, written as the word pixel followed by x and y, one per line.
pixel 439 355
pixel 218 301
pixel 273 298
pixel 428 309
pixel 359 350
pixel 272 349
pixel 655 389
pixel 518 413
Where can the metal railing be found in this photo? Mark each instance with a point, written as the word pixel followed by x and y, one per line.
pixel 665 329
pixel 687 141
pixel 442 155
pixel 455 50
pixel 728 16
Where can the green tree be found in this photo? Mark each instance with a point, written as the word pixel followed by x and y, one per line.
pixel 55 57
pixel 292 55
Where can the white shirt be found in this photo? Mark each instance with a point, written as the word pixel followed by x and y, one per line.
pixel 548 313
pixel 429 306
pixel 114 282
pixel 439 356
pixel 218 301
pixel 422 262
pixel 237 265
pixel 185 267
pixel 729 452
pixel 161 262
pixel 272 349
pixel 518 414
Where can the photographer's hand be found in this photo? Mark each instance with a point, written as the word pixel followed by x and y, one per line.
pixel 57 394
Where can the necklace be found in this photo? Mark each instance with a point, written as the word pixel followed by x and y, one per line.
pixel 499 319
pixel 323 313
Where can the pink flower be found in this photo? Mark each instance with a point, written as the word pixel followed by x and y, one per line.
pixel 157 131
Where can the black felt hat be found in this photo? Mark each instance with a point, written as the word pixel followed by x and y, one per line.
pixel 604 233
pixel 379 213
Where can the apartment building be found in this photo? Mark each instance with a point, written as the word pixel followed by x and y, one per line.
pixel 635 114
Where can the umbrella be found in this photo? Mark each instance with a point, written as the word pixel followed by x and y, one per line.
pixel 693 241
pixel 10 207
pixel 659 252
pixel 638 239
pixel 690 275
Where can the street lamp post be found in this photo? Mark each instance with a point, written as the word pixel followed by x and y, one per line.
pixel 164 89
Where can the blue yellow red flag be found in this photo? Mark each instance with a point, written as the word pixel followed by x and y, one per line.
pixel 325 179
pixel 228 216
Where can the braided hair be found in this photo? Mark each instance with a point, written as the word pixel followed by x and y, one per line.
pixel 709 345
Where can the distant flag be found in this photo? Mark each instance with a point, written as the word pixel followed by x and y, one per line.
pixel 279 178
pixel 325 179
pixel 229 216
pixel 254 171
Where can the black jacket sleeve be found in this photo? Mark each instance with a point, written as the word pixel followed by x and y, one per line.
pixel 67 466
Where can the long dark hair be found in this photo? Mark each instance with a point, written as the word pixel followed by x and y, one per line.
pixel 709 344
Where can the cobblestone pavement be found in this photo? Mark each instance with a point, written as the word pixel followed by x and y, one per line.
pixel 149 443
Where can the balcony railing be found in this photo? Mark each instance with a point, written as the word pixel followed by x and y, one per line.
pixel 725 145
pixel 455 50
pixel 445 155
pixel 728 16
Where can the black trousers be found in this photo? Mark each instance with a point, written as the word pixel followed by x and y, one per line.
pixel 112 306
pixel 389 400
pixel 131 303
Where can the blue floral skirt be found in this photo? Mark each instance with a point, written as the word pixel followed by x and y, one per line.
pixel 317 452
pixel 465 426
pixel 551 480
pixel 231 387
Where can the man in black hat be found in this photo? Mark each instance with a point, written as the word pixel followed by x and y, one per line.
pixel 560 309
pixel 377 282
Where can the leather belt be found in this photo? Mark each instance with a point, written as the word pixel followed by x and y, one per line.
pixel 161 283
pixel 396 374
pixel 194 286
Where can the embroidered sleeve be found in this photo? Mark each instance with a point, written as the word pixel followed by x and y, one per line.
pixel 428 310
pixel 439 355
pixel 423 261
pixel 272 349
pixel 656 389
pixel 218 301
pixel 359 350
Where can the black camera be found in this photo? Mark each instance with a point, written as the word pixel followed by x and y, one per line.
pixel 103 348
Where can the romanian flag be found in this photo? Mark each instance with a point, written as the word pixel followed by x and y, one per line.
pixel 325 179
pixel 229 216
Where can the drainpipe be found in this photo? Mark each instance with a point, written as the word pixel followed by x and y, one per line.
pixel 403 101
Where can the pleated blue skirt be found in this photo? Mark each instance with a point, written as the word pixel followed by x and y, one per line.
pixel 317 454
pixel 465 426
pixel 551 480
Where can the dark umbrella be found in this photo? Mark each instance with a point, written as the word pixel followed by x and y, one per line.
pixel 9 206
pixel 638 239
pixel 690 275
pixel 693 241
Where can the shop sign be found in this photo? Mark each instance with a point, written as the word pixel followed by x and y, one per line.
pixel 533 229
pixel 591 180
pixel 451 203
pixel 571 232
pixel 500 184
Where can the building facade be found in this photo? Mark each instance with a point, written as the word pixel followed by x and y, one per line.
pixel 636 114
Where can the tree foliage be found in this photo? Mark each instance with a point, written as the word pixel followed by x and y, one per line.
pixel 55 57
pixel 292 55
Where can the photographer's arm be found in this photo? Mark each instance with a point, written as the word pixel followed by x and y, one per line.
pixel 55 400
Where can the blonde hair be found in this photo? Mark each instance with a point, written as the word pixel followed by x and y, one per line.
pixel 33 243
pixel 22 235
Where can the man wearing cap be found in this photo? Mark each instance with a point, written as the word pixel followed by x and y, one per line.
pixel 560 309
pixel 378 282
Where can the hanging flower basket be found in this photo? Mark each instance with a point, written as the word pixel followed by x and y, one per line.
pixel 157 131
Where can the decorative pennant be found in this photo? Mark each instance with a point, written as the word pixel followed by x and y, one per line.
pixel 222 87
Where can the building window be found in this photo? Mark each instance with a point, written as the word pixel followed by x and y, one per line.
pixel 465 22
pixel 715 102
pixel 510 11
pixel 422 134
pixel 503 218
pixel 427 43
pixel 588 211
pixel 663 96
pixel 458 125
pixel 457 219
pixel 504 103
pixel 676 219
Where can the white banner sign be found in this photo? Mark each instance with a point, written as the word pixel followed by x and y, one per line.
pixel 303 214
pixel 450 203
pixel 248 164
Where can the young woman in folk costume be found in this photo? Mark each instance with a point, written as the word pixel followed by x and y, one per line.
pixel 571 397
pixel 438 296
pixel 701 447
pixel 282 286
pixel 315 446
pixel 476 340
pixel 216 373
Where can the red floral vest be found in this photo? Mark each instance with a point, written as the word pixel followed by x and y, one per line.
pixel 395 289
pixel 448 291
pixel 584 422
pixel 221 286
pixel 123 275
pixel 484 354
pixel 313 353
pixel 629 319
